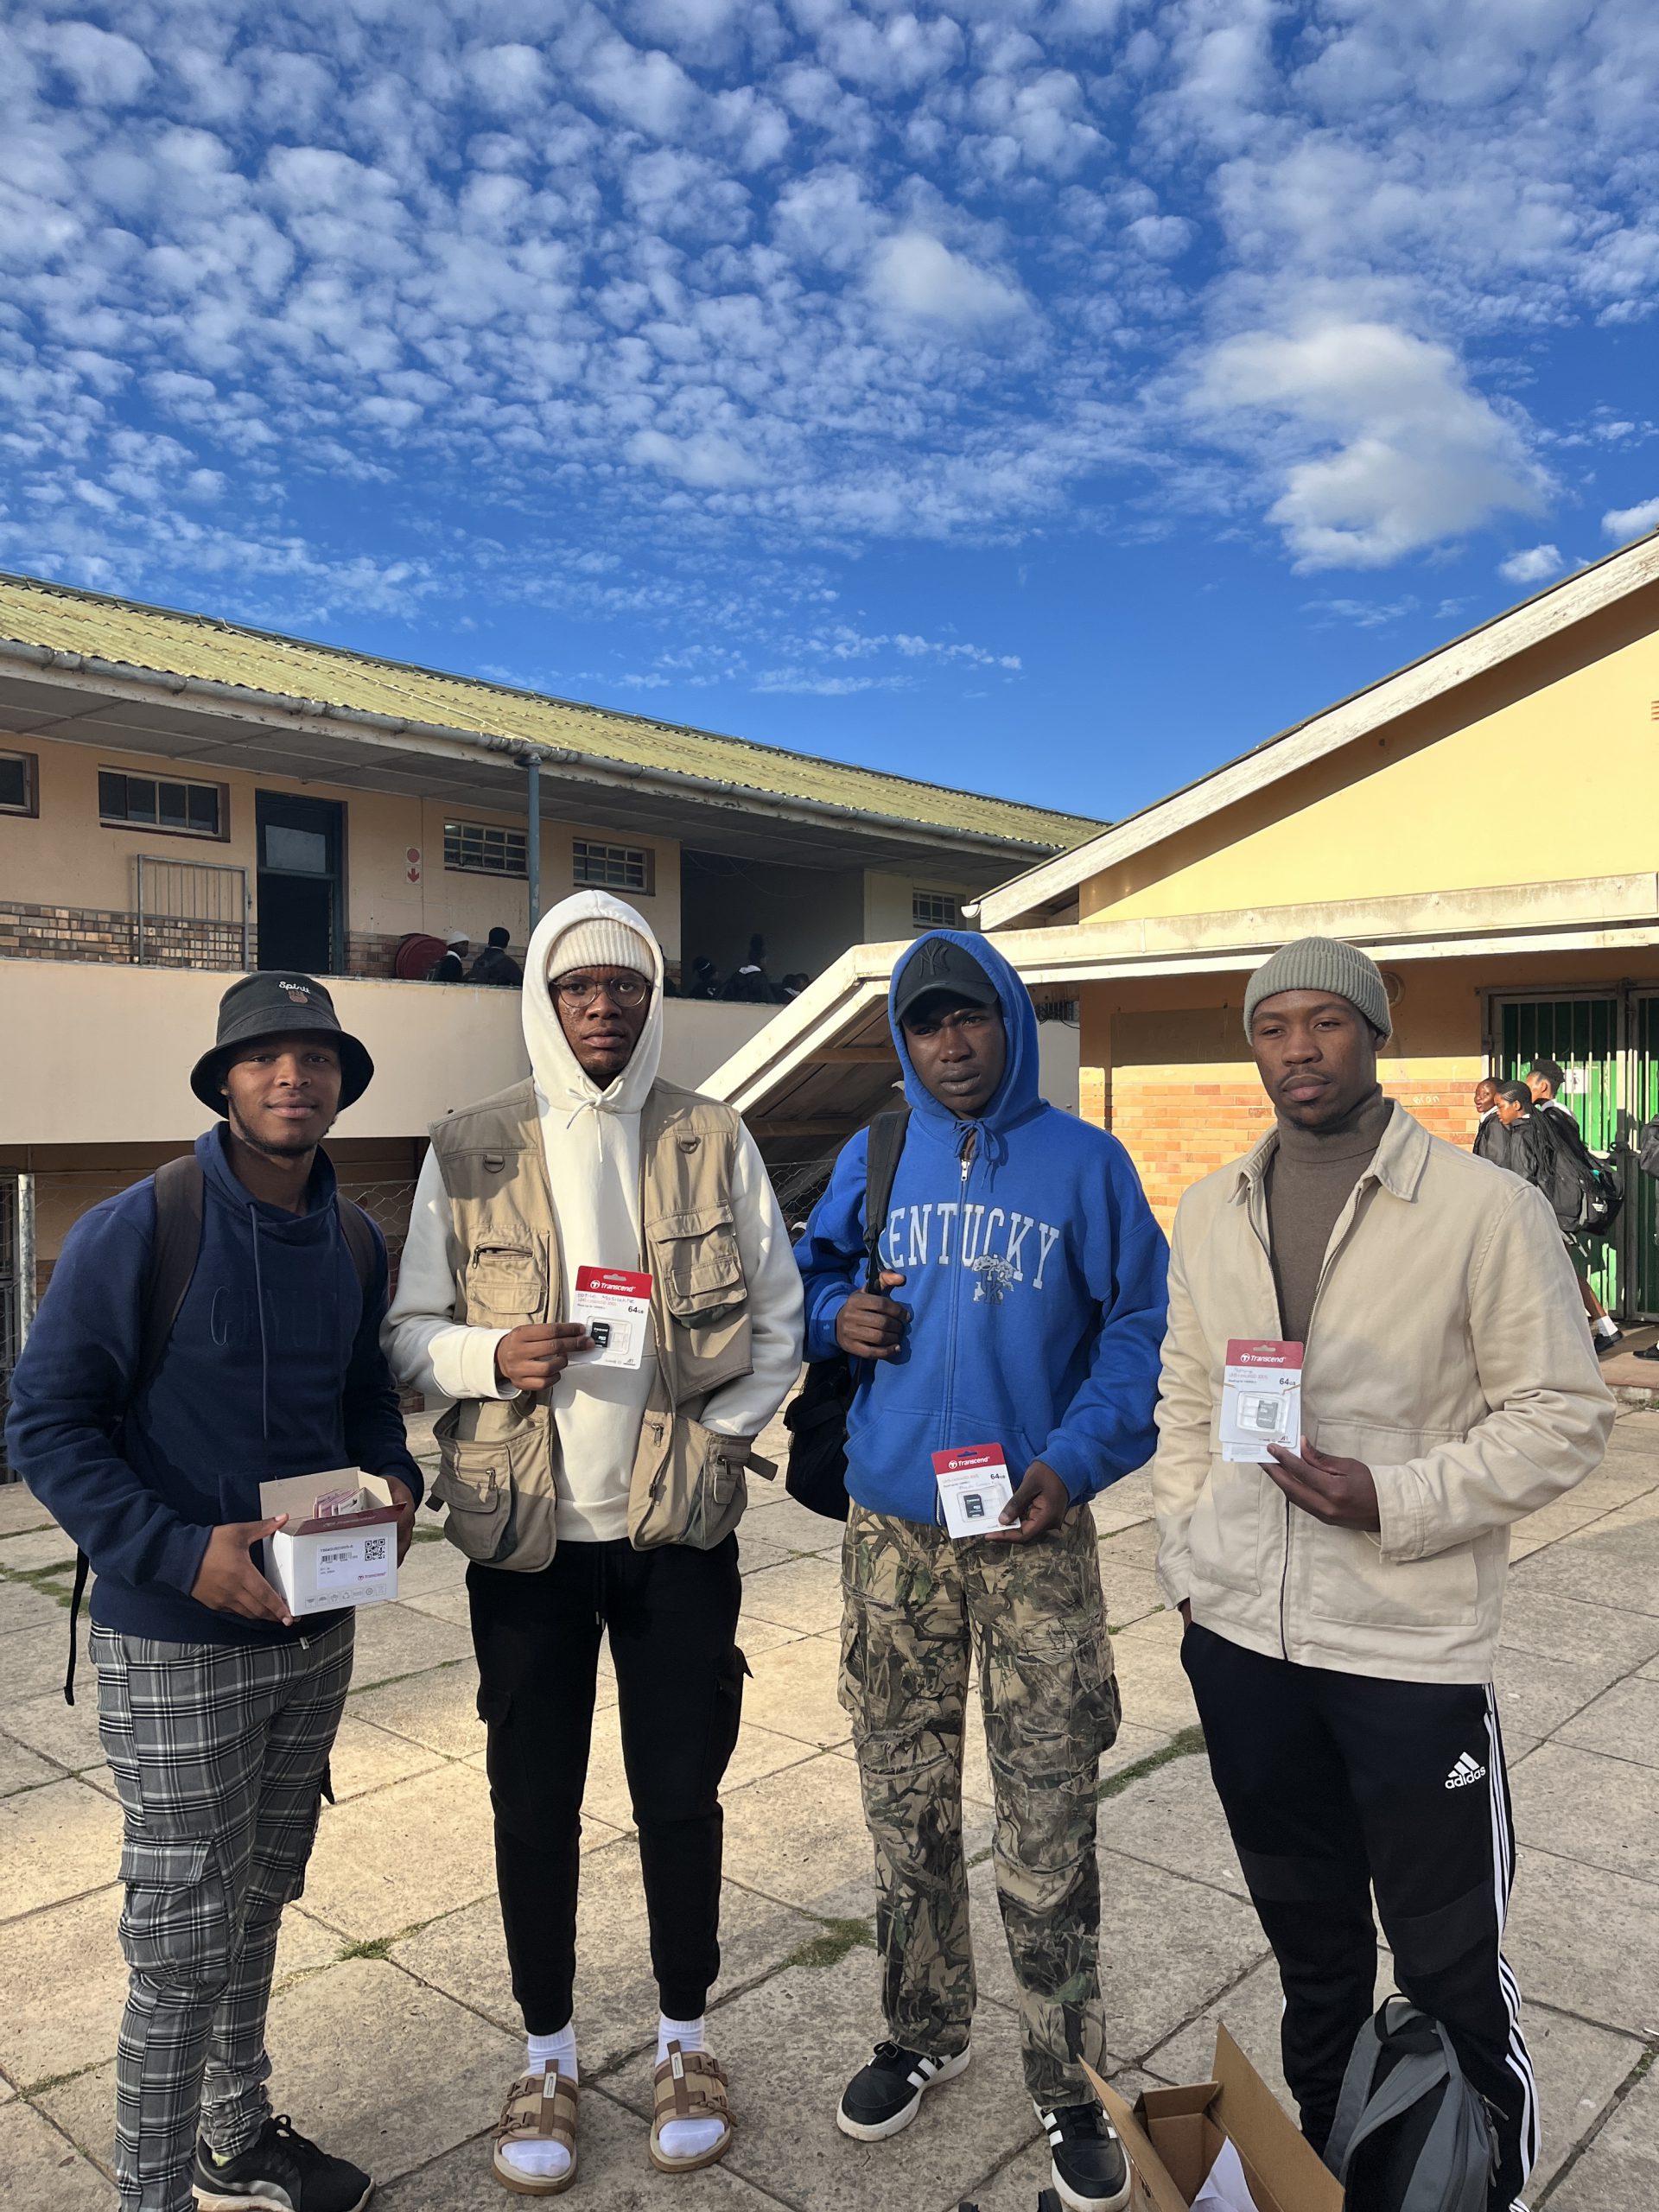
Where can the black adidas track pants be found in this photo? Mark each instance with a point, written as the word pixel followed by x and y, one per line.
pixel 1337 1784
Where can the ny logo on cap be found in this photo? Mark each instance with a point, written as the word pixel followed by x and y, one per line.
pixel 932 956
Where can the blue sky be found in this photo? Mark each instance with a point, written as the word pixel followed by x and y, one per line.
pixel 1054 397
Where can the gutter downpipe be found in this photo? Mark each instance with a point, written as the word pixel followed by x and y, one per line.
pixel 532 767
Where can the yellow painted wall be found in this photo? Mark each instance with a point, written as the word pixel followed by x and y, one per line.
pixel 1543 771
pixel 66 857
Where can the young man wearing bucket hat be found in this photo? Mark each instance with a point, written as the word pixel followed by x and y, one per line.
pixel 217 1710
pixel 1343 1586
pixel 598 1277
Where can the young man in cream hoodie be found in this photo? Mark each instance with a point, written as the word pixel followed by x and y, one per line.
pixel 600 1498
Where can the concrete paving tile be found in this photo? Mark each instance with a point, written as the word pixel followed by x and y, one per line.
pixel 402 1855
pixel 44 2173
pixel 1167 1948
pixel 1536 1696
pixel 614 2173
pixel 1603 1812
pixel 1565 1517
pixel 793 1690
pixel 1586 1941
pixel 802 1593
pixel 1580 2070
pixel 367 1758
pixel 55 1842
pixel 1619 2172
pixel 607 1797
pixel 431 1568
pixel 1154 1690
pixel 21 1769
pixel 754 1553
pixel 616 2002
pixel 1613 1562
pixel 1560 1627
pixel 390 2100
pixel 19 1511
pixel 1133 1745
pixel 438 1708
pixel 1123 1505
pixel 441 1604
pixel 1131 1593
pixel 1135 1546
pixel 797 1528
pixel 23 1606
pixel 799 1836
pixel 789 2045
pixel 1172 1818
pixel 47 1547
pixel 66 1982
pixel 35 1660
pixel 1250 2010
pixel 395 1640
pixel 65 1734
pixel 1623 1723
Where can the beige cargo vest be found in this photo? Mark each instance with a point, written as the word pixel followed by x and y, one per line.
pixel 498 1456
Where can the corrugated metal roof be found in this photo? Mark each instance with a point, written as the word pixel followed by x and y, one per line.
pixel 65 620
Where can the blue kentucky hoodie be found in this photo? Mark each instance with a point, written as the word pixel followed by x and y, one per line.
pixel 1035 1274
pixel 273 1367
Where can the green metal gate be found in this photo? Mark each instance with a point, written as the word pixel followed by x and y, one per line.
pixel 1607 1043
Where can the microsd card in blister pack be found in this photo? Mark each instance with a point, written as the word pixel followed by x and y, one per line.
pixel 1260 1398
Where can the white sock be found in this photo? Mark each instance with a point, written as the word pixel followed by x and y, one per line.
pixel 546 2160
pixel 1605 1325
pixel 686 2138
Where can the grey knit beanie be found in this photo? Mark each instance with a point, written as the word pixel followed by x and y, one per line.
pixel 601 941
pixel 1323 963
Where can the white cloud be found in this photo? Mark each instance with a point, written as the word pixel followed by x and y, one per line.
pixel 1536 565
pixel 1632 522
pixel 917 276
pixel 1403 452
pixel 105 68
pixel 705 461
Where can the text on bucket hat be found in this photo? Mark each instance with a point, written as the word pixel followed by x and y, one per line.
pixel 279 1002
pixel 1323 963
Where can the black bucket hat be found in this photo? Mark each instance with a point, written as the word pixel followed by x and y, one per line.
pixel 277 1002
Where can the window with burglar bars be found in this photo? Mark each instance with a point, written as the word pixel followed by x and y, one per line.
pixel 160 802
pixel 483 849
pixel 612 868
pixel 933 910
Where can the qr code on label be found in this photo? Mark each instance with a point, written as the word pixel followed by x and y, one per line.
pixel 374 1550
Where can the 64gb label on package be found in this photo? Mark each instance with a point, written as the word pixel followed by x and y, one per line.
pixel 1260 1398
pixel 613 1306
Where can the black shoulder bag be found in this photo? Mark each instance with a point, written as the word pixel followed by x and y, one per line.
pixel 816 1420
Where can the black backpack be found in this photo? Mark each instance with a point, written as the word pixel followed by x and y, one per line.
pixel 174 1251
pixel 816 1420
pixel 1585 1191
pixel 1647 1152
pixel 1410 2135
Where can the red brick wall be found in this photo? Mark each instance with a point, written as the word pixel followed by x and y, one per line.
pixel 30 932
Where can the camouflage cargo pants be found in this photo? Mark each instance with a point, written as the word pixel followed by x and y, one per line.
pixel 916 1606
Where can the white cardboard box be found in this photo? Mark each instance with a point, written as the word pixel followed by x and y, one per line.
pixel 345 1559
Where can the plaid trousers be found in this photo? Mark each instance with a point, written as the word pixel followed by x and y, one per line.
pixel 219 1753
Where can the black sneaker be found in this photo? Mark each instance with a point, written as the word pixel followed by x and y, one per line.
pixel 886 2094
pixel 1090 2173
pixel 1606 1344
pixel 282 2172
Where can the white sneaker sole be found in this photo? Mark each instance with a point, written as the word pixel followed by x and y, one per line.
pixel 1073 2202
pixel 212 2200
pixel 878 2131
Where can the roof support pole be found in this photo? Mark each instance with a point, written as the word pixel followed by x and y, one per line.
pixel 532 764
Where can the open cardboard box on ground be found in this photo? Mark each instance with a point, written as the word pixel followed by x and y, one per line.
pixel 1173 2137
pixel 345 1558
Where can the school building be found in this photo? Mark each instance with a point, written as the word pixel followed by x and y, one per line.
pixel 181 798
pixel 1484 823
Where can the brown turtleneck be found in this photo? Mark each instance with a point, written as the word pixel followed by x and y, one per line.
pixel 1309 1178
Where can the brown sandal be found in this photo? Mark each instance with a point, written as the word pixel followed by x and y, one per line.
pixel 688 2085
pixel 540 2108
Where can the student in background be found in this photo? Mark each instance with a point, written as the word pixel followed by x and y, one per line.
pixel 1485 1106
pixel 750 984
pixel 495 966
pixel 450 966
pixel 1545 1081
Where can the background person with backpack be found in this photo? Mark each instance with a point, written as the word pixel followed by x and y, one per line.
pixel 1587 1187
pixel 1029 1274
pixel 217 1710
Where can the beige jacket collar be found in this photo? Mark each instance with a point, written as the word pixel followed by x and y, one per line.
pixel 1397 1163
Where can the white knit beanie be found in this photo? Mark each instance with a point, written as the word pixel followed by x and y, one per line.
pixel 601 941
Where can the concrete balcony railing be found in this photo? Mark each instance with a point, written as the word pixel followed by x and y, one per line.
pixel 102 1054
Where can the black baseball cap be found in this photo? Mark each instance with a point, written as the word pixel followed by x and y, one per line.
pixel 277 1002
pixel 938 963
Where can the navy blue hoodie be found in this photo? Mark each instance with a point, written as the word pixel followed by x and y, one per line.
pixel 1035 1276
pixel 273 1368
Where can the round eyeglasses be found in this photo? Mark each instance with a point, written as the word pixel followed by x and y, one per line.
pixel 582 991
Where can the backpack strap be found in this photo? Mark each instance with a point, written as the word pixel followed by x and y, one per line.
pixel 881 1166
pixel 175 1247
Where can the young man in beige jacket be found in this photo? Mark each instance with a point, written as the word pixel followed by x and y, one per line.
pixel 1343 1598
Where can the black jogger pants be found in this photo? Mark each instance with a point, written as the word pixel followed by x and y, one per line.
pixel 1337 1784
pixel 671 1616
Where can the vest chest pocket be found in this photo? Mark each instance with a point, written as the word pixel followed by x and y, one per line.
pixel 506 1286
pixel 701 1268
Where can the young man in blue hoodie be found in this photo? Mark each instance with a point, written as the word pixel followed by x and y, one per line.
pixel 1033 1282
pixel 217 1709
